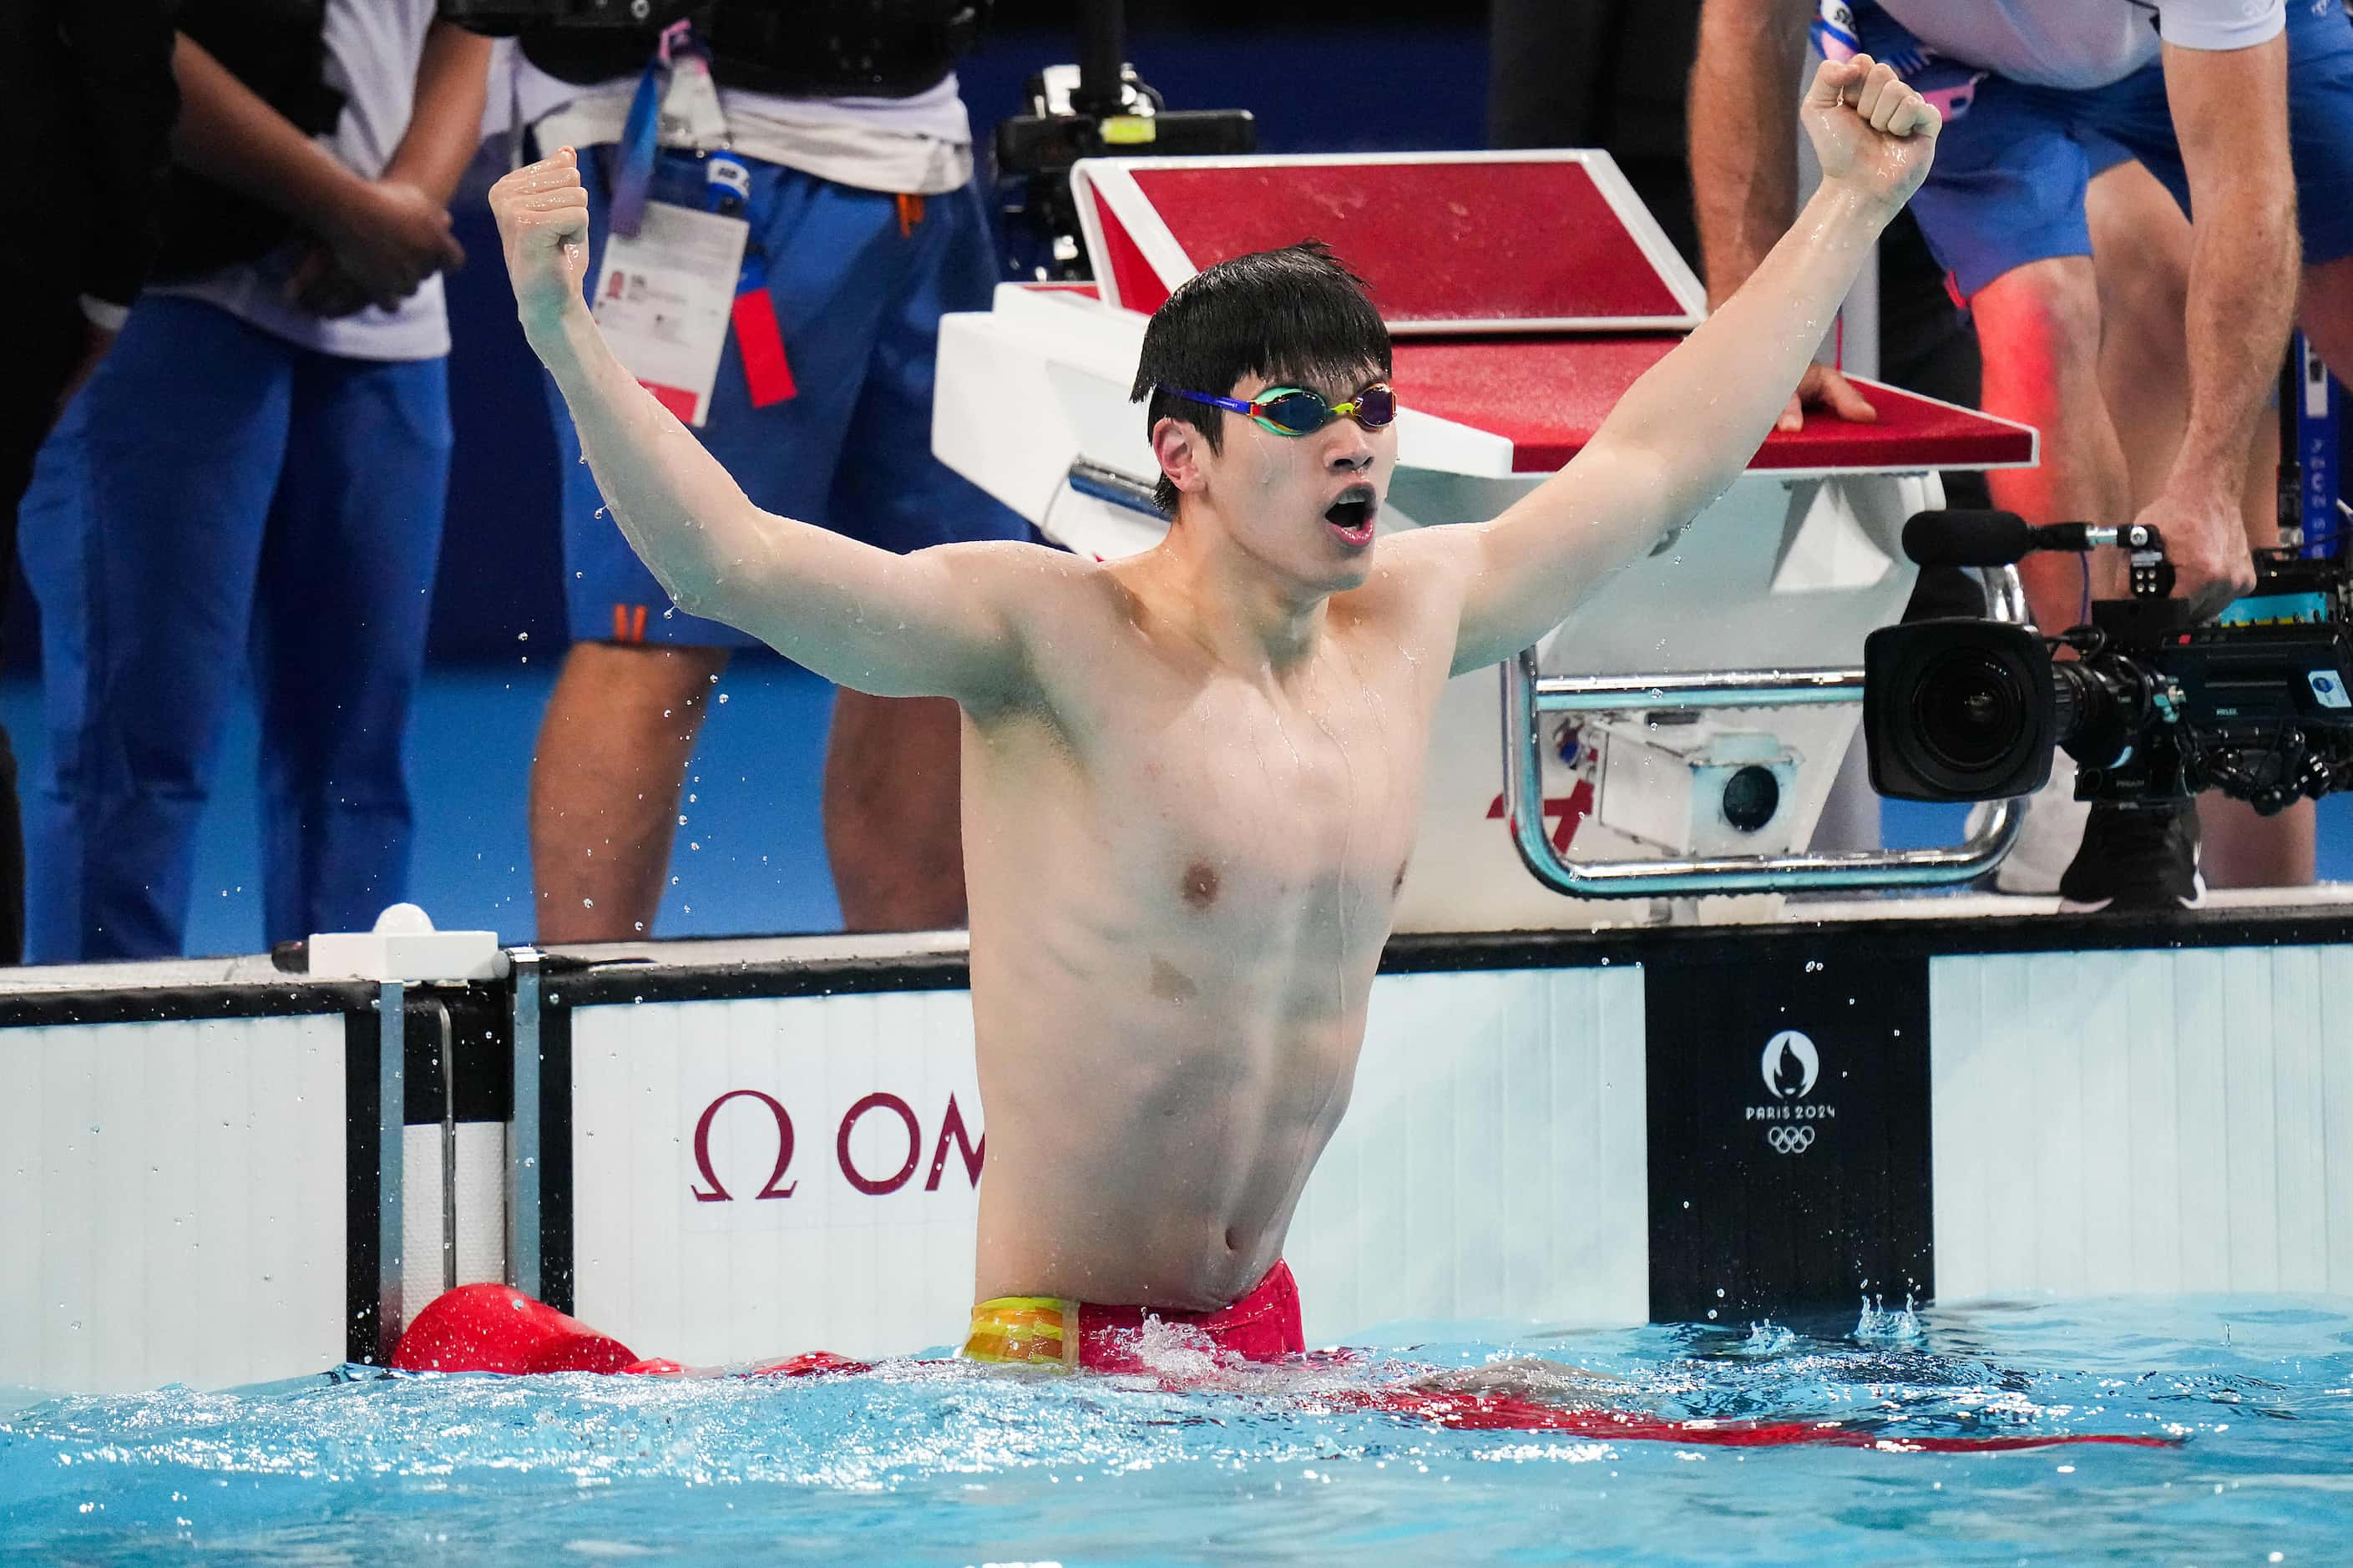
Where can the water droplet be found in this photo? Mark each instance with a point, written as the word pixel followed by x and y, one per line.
pixel 637 925
pixel 722 696
pixel 681 819
pixel 600 511
pixel 694 846
pixel 587 903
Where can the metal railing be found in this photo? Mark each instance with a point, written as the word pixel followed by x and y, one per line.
pixel 1528 695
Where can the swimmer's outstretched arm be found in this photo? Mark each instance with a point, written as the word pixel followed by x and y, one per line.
pixel 1687 428
pixel 941 622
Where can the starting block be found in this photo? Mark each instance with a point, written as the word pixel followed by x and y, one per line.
pixel 1526 292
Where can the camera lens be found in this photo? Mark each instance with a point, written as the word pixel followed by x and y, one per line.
pixel 1968 710
pixel 1751 796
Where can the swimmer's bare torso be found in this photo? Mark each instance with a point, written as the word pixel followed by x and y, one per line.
pixel 1181 876
pixel 1191 778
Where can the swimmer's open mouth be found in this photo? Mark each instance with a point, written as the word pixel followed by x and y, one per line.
pixel 1351 516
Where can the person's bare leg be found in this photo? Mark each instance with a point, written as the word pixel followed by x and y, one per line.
pixel 2324 310
pixel 893 825
pixel 2244 850
pixel 613 750
pixel 2140 252
pixel 2141 244
pixel 2038 326
pixel 2039 329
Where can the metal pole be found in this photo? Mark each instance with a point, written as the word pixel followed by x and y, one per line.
pixel 523 1129
pixel 392 1121
pixel 448 1153
pixel 1103 58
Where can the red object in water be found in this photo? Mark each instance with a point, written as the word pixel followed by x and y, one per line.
pixel 495 1327
pixel 1507 1413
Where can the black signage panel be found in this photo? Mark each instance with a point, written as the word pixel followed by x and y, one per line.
pixel 1787 1088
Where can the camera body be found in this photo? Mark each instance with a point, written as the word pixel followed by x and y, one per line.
pixel 505 18
pixel 2258 704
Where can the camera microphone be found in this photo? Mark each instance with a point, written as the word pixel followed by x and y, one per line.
pixel 1967 537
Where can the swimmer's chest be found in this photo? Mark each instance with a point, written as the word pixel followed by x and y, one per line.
pixel 1241 813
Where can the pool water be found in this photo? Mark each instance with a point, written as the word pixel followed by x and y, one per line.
pixel 945 1463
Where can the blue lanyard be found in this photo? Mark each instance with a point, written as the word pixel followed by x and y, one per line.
pixel 633 170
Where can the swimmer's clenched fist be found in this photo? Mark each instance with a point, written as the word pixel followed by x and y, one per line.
pixel 1873 134
pixel 542 214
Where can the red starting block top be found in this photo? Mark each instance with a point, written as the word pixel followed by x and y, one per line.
pixel 1526 291
pixel 1547 396
pixel 1462 242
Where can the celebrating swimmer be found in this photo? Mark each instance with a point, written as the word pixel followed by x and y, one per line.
pixel 1191 776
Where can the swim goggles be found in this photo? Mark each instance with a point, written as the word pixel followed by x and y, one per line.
pixel 1300 411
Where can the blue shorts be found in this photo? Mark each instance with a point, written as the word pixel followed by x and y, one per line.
pixel 860 283
pixel 2011 165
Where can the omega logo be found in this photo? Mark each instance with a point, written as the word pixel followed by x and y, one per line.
pixel 953 1129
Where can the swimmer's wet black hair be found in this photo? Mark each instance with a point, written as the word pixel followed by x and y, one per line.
pixel 1295 315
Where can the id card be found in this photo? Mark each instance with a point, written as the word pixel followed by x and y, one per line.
pixel 663 301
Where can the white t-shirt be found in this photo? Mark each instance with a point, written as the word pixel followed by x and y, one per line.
pixel 917 146
pixel 372 49
pixel 2081 43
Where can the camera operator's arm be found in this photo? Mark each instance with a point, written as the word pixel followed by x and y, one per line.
pixel 389 237
pixel 445 126
pixel 2229 113
pixel 938 622
pixel 1688 428
pixel 1744 161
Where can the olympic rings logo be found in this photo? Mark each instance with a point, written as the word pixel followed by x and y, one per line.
pixel 1790 1140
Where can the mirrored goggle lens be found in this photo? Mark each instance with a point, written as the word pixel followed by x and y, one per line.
pixel 1301 413
pixel 1375 407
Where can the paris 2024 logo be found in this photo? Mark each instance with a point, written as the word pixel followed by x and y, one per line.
pixel 1791 1066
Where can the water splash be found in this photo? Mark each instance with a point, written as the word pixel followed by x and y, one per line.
pixel 1878 1326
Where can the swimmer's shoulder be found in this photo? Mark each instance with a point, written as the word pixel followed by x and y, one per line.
pixel 1416 571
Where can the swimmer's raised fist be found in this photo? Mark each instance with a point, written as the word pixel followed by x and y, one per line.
pixel 1872 133
pixel 543 213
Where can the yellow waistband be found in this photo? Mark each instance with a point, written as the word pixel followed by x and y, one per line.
pixel 1031 1330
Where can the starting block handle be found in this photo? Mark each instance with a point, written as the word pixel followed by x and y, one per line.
pixel 1527 695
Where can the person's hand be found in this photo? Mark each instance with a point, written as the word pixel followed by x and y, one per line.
pixel 323 288
pixel 2207 543
pixel 387 237
pixel 1871 133
pixel 543 213
pixel 1823 387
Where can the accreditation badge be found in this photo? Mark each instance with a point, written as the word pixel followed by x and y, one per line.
pixel 664 298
